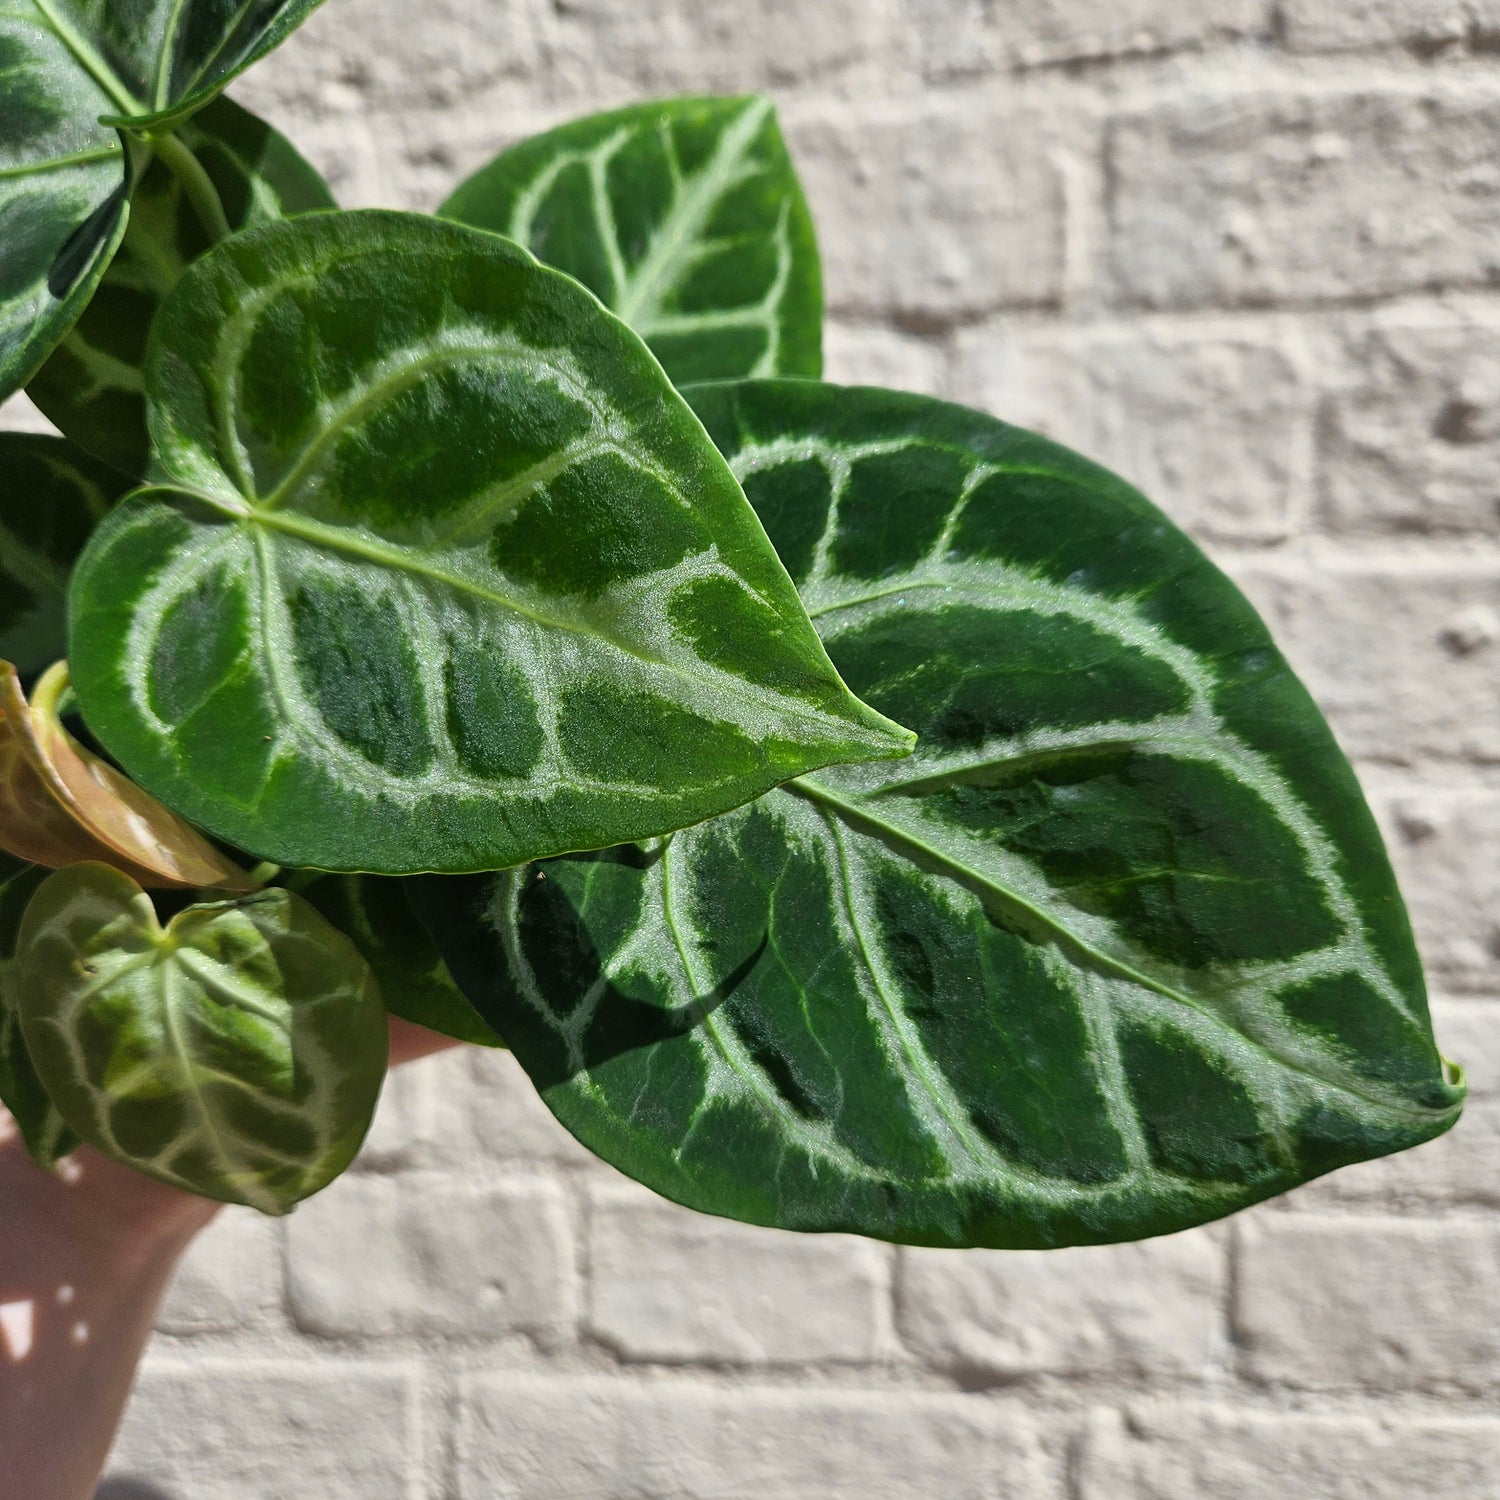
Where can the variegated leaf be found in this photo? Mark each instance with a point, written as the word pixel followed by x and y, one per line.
pixel 94 386
pixel 43 1130
pixel 684 217
pixel 441 573
pixel 373 913
pixel 237 1053
pixel 71 70
pixel 1117 952
pixel 51 497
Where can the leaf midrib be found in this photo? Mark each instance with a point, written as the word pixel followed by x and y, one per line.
pixel 92 63
pixel 822 796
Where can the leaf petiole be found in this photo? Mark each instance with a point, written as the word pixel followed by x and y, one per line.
pixel 196 183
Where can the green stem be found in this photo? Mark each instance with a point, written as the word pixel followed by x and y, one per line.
pixel 264 874
pixel 196 183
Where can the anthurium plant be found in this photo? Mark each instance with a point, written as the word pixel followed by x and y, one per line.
pixel 854 812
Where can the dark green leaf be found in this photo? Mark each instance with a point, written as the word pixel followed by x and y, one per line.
pixel 1118 951
pixel 43 1130
pixel 374 915
pixel 94 386
pixel 237 1053
pixel 442 574
pixel 685 218
pixel 51 498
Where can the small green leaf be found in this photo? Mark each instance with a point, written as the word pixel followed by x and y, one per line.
pixel 441 573
pixel 684 217
pixel 43 1130
pixel 1116 952
pixel 375 916
pixel 94 386
pixel 71 70
pixel 238 1053
pixel 51 497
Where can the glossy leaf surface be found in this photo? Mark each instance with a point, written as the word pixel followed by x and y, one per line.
pixel 43 1130
pixel 441 573
pixel 71 69
pixel 684 217
pixel 105 813
pixel 94 387
pixel 238 1053
pixel 1117 952
pixel 51 497
pixel 373 913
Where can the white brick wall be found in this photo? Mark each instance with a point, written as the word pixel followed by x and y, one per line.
pixel 1247 252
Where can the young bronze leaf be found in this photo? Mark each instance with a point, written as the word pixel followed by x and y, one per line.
pixel 51 497
pixel 122 825
pixel 1117 952
pixel 373 913
pixel 43 1130
pixel 94 386
pixel 238 1053
pixel 441 573
pixel 684 217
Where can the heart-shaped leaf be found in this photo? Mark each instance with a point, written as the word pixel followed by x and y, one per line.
pixel 61 792
pixel 685 218
pixel 238 1053
pixel 374 914
pixel 1118 951
pixel 71 70
pixel 51 498
pixel 442 574
pixel 94 386
pixel 43 1130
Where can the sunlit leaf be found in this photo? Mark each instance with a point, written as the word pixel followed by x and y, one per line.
pixel 70 70
pixel 684 217
pixel 440 573
pixel 237 1053
pixel 45 1134
pixel 94 386
pixel 1116 952
pixel 51 498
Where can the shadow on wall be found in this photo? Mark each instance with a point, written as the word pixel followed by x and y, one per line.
pixel 130 1489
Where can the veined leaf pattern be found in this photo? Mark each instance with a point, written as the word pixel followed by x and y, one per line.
pixel 1116 952
pixel 237 1053
pixel 93 388
pixel 43 1130
pixel 441 573
pixel 51 497
pixel 71 70
pixel 684 217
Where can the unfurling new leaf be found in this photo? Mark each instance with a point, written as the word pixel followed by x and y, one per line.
pixel 439 572
pixel 237 1053
pixel 1116 952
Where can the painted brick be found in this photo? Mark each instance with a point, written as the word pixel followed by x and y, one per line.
pixel 1410 436
pixel 1355 1301
pixel 593 1439
pixel 230 1277
pixel 1215 427
pixel 1153 1307
pixel 866 354
pixel 1384 643
pixel 375 1256
pixel 1336 25
pixel 674 1286
pixel 19 415
pixel 1442 836
pixel 274 1430
pixel 1180 1451
pixel 930 214
pixel 1254 198
pixel 967 37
